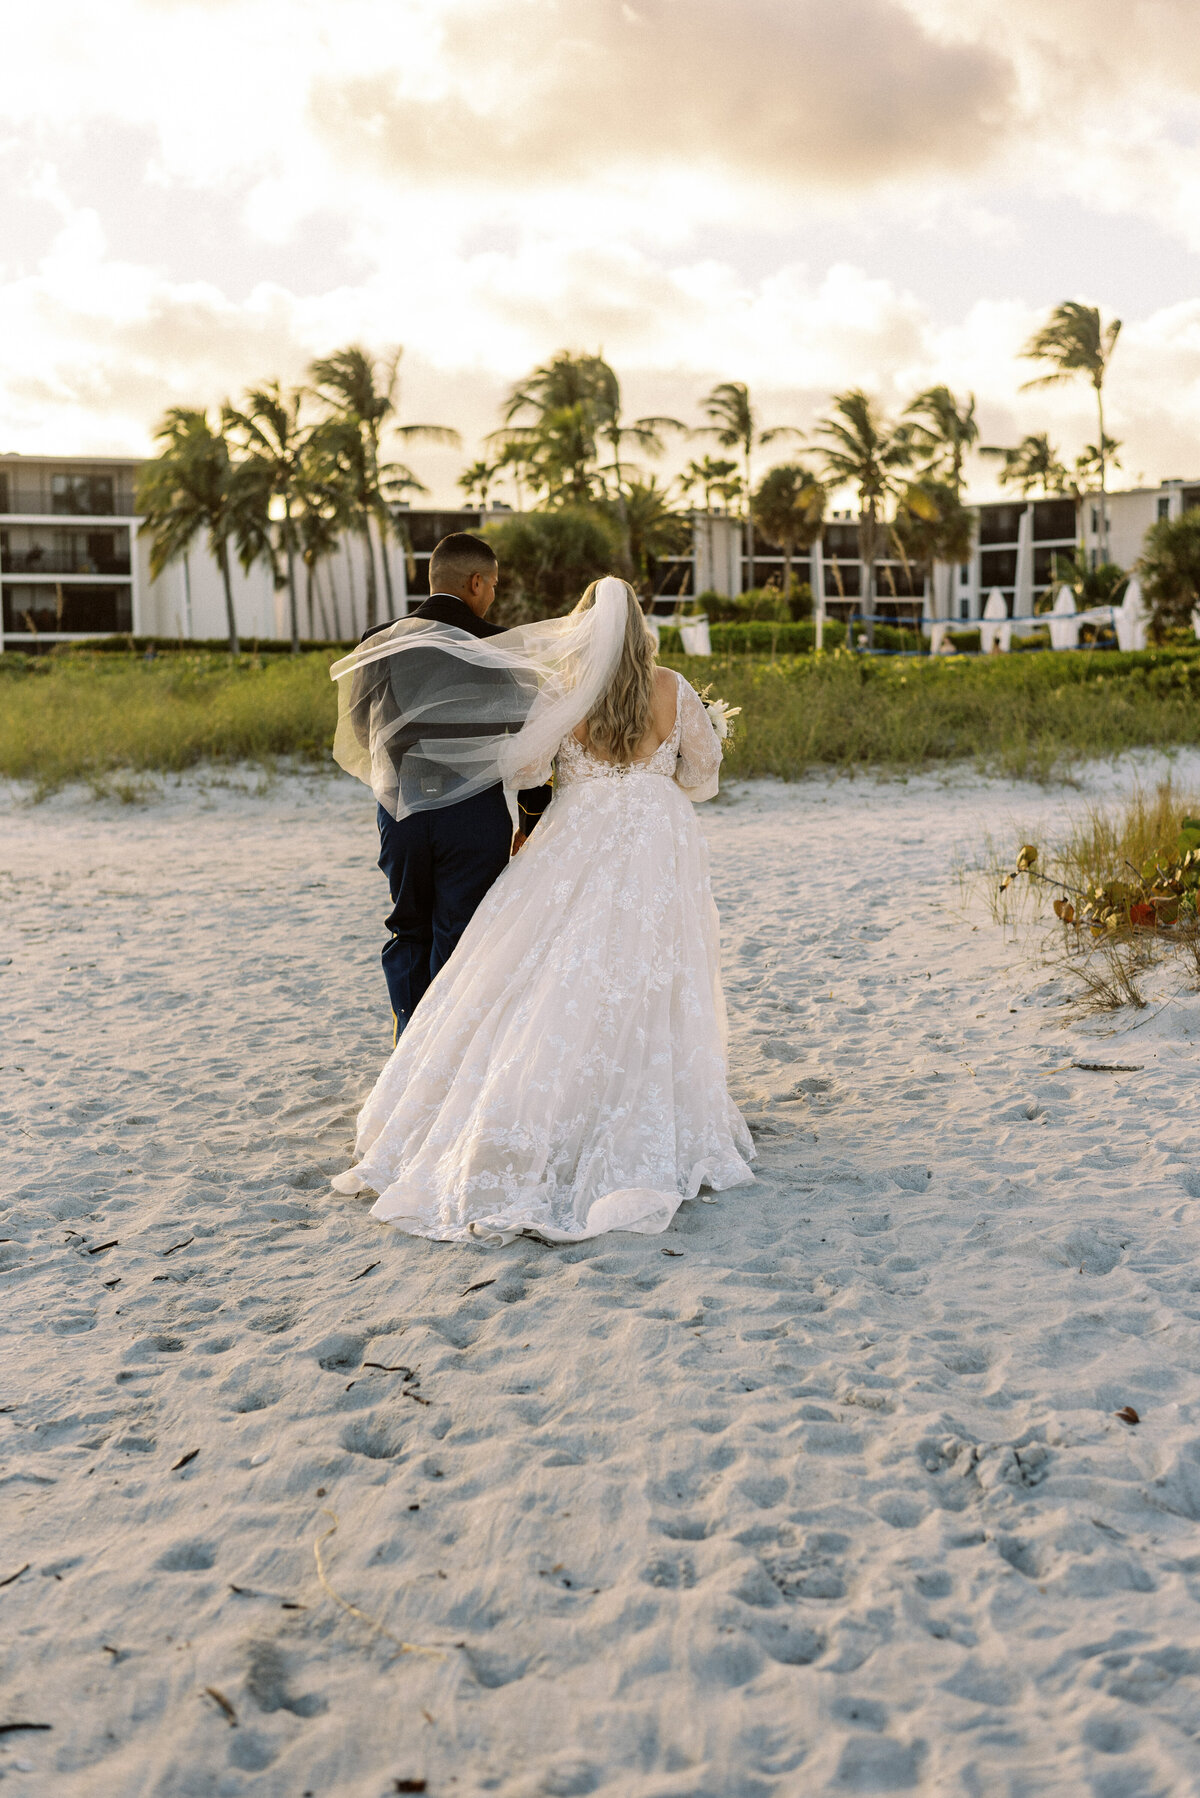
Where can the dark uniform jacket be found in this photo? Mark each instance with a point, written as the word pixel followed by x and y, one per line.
pixel 447 608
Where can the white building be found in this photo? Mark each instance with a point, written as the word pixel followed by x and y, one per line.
pixel 1016 543
pixel 73 566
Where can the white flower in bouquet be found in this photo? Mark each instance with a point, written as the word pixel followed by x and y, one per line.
pixel 721 713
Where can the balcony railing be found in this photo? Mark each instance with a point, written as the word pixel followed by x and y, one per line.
pixel 37 505
pixel 32 561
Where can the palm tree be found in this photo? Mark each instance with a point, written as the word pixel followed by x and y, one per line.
pixel 866 451
pixel 789 508
pixel 550 427
pixel 555 421
pixel 186 489
pixel 1075 341
pixel 325 515
pixel 362 398
pixel 319 530
pixel 1090 458
pixel 646 433
pixel 718 477
pixel 932 525
pixel 1170 569
pixel 270 474
pixel 476 481
pixel 654 529
pixel 1034 464
pixel 735 426
pixel 943 432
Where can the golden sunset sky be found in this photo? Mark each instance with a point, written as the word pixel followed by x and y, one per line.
pixel 801 194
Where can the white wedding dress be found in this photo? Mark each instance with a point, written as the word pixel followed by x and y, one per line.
pixel 564 1075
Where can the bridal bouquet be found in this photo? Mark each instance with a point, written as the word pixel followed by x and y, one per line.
pixel 721 712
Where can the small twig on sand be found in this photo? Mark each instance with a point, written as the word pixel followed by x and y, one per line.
pixel 8 1580
pixel 178 1245
pixel 223 1703
pixel 371 1622
pixel 365 1271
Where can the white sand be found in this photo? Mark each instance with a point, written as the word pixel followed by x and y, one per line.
pixel 822 1491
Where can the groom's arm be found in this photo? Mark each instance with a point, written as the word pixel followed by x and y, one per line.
pixel 531 803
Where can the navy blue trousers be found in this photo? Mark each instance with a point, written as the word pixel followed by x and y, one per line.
pixel 439 865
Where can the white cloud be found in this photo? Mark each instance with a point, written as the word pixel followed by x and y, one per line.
pixel 112 343
pixel 515 176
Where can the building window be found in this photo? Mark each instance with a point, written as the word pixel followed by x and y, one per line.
pixel 1054 519
pixel 3 492
pixel 1095 520
pixel 964 610
pixel 964 574
pixel 1164 506
pixel 74 609
pixel 81 495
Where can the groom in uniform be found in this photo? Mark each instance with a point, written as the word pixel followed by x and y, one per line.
pixel 439 864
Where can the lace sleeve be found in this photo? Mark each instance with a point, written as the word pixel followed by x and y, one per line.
pixel 699 746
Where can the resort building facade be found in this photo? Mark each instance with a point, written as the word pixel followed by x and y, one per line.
pixel 73 566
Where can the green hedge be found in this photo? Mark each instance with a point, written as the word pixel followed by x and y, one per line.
pixel 759 638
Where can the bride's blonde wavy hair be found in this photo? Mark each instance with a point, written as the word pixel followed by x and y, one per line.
pixel 618 723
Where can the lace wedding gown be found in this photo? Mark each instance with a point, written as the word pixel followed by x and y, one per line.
pixel 564 1075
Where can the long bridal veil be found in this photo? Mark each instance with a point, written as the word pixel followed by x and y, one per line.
pixel 429 715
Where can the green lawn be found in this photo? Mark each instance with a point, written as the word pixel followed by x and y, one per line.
pixel 90 716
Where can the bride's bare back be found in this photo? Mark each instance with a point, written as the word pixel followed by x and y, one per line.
pixel 662 719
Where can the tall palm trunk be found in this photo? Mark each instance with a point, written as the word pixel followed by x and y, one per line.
pixel 235 648
pixel 353 601
pixel 868 549
pixel 368 549
pixel 625 555
pixel 335 615
pixel 1103 543
pixel 749 518
pixel 293 606
pixel 387 569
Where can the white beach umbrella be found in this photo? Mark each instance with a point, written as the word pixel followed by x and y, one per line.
pixel 995 630
pixel 695 636
pixel 1023 598
pixel 1064 626
pixel 1130 617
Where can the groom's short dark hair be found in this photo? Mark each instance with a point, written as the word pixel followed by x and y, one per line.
pixel 457 557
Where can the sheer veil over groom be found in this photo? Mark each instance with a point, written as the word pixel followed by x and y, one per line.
pixel 438 863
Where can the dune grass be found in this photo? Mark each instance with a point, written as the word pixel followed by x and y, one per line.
pixel 86 717
pixel 89 716
pixel 1031 715
pixel 1109 843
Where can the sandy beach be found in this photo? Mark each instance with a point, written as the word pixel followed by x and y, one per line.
pixel 822 1491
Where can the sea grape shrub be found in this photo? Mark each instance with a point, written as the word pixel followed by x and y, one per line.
pixel 1165 894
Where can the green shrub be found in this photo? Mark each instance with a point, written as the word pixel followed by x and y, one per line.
pixel 548 558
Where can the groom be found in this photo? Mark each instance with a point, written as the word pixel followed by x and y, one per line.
pixel 439 864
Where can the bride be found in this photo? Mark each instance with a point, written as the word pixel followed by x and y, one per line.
pixel 564 1075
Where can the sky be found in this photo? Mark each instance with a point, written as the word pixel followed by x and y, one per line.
pixel 805 195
